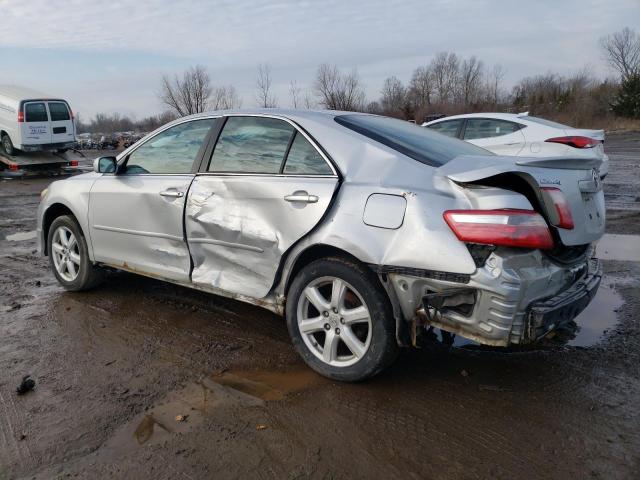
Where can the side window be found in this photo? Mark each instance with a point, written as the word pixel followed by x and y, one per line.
pixel 304 159
pixel 449 128
pixel 35 112
pixel 251 145
pixel 487 128
pixel 58 111
pixel 172 151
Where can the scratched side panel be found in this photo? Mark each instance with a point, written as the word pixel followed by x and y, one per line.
pixel 238 227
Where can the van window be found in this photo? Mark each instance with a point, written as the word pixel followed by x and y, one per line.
pixel 58 112
pixel 35 112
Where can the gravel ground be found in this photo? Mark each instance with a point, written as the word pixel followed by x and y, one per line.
pixel 140 379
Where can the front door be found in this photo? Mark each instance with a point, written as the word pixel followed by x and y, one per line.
pixel 61 123
pixel 136 215
pixel 265 187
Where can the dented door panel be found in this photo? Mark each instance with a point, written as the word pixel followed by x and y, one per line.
pixel 239 226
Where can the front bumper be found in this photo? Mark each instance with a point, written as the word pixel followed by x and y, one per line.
pixel 510 286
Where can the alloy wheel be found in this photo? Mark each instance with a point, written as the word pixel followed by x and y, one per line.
pixel 334 321
pixel 66 253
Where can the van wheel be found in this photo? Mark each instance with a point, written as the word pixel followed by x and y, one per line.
pixel 69 256
pixel 7 145
pixel 340 320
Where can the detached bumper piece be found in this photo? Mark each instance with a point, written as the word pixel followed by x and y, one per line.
pixel 552 313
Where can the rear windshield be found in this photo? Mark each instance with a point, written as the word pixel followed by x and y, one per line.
pixel 35 112
pixel 58 111
pixel 419 143
pixel 548 123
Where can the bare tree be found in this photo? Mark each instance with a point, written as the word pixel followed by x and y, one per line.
pixel 445 68
pixel 493 84
pixel 394 96
pixel 264 96
pixel 188 95
pixel 421 87
pixel 470 79
pixel 339 91
pixel 225 98
pixel 294 91
pixel 309 102
pixel 622 50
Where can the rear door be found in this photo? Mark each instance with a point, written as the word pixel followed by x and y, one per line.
pixel 61 122
pixel 498 136
pixel 136 215
pixel 36 128
pixel 265 186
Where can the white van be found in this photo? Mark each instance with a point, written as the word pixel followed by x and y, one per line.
pixel 31 121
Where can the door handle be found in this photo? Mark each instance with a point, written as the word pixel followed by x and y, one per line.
pixel 302 197
pixel 172 193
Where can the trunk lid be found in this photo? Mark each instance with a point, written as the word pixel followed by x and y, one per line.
pixel 577 178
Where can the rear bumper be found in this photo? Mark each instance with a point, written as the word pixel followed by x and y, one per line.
pixel 552 313
pixel 515 298
pixel 46 146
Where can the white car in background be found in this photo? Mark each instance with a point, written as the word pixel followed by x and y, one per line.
pixel 523 135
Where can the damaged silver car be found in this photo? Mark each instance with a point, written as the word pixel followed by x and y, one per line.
pixel 363 231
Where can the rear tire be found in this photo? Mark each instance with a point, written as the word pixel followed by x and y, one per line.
pixel 69 256
pixel 340 320
pixel 7 146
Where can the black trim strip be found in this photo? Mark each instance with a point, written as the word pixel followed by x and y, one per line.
pixel 418 272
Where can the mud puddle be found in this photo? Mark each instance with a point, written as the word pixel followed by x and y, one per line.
pixel 21 236
pixel 181 411
pixel 588 328
pixel 619 247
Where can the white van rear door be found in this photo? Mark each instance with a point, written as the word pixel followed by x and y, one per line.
pixel 61 122
pixel 35 128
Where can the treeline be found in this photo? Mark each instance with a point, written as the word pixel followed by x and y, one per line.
pixel 448 84
pixel 111 123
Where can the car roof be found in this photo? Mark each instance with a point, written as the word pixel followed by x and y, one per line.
pixel 497 115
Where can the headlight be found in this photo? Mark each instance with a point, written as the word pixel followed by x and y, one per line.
pixel 43 193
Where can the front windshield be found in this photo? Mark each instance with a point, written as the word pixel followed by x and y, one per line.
pixel 419 143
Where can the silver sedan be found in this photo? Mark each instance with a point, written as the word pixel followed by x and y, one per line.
pixel 363 231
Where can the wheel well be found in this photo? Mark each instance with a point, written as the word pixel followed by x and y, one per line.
pixel 54 211
pixel 314 253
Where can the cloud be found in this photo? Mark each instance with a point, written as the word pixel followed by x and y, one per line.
pixel 144 38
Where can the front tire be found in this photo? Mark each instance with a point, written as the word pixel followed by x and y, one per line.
pixel 340 320
pixel 69 256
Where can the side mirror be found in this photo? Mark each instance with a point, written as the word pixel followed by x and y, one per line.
pixel 105 165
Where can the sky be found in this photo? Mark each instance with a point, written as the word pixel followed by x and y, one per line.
pixel 110 56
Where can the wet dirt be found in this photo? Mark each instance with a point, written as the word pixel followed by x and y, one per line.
pixel 141 379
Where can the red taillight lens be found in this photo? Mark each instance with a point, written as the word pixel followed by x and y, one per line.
pixel 20 116
pixel 13 167
pixel 565 220
pixel 575 141
pixel 73 163
pixel 512 228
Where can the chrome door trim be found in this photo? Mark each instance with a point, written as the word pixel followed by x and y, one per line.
pixel 138 232
pixel 212 241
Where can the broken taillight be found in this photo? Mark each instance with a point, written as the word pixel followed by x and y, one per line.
pixel 575 141
pixel 511 228
pixel 563 211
